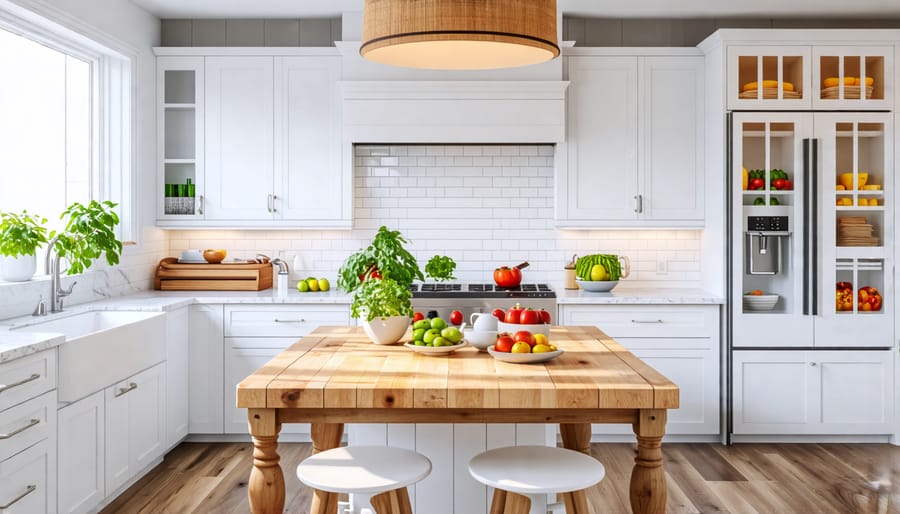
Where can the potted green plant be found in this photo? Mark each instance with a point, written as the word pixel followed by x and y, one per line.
pixel 379 277
pixel 20 237
pixel 89 233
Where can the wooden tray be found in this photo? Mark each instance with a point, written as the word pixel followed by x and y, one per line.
pixel 850 92
pixel 233 276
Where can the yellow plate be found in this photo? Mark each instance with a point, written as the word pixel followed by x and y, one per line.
pixel 872 187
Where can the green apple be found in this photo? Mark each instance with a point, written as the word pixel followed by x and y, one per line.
pixel 440 341
pixel 324 285
pixel 451 334
pixel 424 324
pixel 302 286
pixel 598 272
pixel 438 323
pixel 418 334
pixel 430 335
pixel 419 343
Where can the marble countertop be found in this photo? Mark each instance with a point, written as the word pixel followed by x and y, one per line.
pixel 14 345
pixel 638 296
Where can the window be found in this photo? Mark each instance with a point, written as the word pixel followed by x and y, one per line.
pixel 65 120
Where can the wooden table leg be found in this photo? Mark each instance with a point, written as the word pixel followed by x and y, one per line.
pixel 648 479
pixel 392 502
pixel 266 485
pixel 576 436
pixel 325 436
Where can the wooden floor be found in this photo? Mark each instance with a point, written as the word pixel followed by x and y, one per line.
pixel 746 478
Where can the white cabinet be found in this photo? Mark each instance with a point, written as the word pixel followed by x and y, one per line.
pixel 634 143
pixel 177 382
pixel 206 369
pixel 679 341
pixel 813 392
pixel 27 484
pixel 135 425
pixel 81 455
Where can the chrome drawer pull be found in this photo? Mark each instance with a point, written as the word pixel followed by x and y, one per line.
pixel 28 490
pixel 301 320
pixel 30 424
pixel 124 390
pixel 33 377
pixel 647 321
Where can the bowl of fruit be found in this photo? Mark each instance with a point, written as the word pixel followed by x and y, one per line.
pixel 536 321
pixel 600 272
pixel 757 300
pixel 523 347
pixel 432 336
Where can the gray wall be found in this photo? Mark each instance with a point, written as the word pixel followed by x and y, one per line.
pixel 688 32
pixel 244 32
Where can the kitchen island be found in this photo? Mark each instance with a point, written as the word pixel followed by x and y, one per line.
pixel 335 375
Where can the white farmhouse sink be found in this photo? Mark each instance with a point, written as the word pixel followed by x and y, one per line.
pixel 104 347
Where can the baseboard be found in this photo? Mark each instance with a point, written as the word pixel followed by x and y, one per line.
pixel 674 438
pixel 243 438
pixel 124 487
pixel 810 438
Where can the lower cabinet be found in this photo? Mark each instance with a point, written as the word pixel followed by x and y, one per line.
pixel 679 341
pixel 177 376
pixel 813 392
pixel 206 367
pixel 108 437
pixel 27 484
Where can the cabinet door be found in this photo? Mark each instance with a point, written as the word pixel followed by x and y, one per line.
pixel 177 383
pixel 81 464
pixel 670 184
pixel 775 392
pixel 838 78
pixel 26 484
pixel 769 66
pixel 205 379
pixel 146 417
pixel 116 444
pixel 242 359
pixel 857 391
pixel 602 119
pixel 239 138
pixel 310 184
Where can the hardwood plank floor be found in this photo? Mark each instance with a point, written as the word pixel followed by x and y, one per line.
pixel 745 478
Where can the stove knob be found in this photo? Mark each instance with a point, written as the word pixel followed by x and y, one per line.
pixel 431 314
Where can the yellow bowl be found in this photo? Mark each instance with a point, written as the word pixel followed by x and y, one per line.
pixel 214 256
pixel 847 180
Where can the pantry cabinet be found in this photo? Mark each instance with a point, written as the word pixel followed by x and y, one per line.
pixel 817 392
pixel 635 132
pixel 259 136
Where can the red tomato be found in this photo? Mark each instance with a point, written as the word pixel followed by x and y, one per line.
pixel 513 314
pixel 417 316
pixel 788 185
pixel 779 183
pixel 499 314
pixel 524 336
pixel 456 318
pixel 530 317
pixel 372 272
pixel 504 343
pixel 757 183
pixel 545 317
pixel 507 277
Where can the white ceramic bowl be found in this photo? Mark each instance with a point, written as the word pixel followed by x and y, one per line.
pixel 480 339
pixel 597 286
pixel 512 328
pixel 435 350
pixel 763 302
pixel 523 358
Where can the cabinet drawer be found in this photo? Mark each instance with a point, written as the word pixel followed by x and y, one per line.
pixel 282 321
pixel 25 378
pixel 24 487
pixel 26 424
pixel 651 321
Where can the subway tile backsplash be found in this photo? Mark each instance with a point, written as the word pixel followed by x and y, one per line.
pixel 482 205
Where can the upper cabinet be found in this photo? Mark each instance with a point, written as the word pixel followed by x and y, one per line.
pixel 634 142
pixel 258 145
pixel 802 77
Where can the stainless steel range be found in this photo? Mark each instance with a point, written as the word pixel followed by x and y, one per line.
pixel 470 298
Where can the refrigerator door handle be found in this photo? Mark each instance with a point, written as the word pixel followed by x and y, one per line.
pixel 814 229
pixel 806 238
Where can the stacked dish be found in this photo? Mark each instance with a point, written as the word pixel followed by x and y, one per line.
pixel 760 302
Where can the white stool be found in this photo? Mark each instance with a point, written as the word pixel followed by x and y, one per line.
pixel 379 474
pixel 528 471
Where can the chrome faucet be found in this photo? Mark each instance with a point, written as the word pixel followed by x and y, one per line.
pixel 51 267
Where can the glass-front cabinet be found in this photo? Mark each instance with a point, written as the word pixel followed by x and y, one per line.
pixel 180 137
pixel 795 77
pixel 812 229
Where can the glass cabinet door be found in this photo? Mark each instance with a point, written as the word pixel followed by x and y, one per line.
pixel 855 230
pixel 852 78
pixel 771 304
pixel 768 78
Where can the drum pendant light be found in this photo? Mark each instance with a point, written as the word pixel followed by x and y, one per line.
pixel 459 34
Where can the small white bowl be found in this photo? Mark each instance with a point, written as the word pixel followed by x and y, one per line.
pixel 480 339
pixel 523 358
pixel 512 328
pixel 597 286
pixel 765 302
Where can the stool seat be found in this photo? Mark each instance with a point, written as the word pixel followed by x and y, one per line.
pixel 363 469
pixel 532 470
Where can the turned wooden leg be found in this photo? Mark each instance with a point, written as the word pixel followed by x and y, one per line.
pixel 517 504
pixel 392 502
pixel 325 436
pixel 498 502
pixel 266 485
pixel 648 479
pixel 576 436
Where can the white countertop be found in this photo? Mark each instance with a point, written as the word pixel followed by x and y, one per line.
pixel 15 344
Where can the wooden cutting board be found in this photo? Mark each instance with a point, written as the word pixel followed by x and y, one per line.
pixel 232 276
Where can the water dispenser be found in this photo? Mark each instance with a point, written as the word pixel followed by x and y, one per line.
pixel 765 227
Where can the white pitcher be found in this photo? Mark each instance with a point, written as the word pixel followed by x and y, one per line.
pixel 482 321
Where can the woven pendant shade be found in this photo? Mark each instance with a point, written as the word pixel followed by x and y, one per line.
pixel 459 34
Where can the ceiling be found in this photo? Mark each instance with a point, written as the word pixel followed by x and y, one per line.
pixel 620 9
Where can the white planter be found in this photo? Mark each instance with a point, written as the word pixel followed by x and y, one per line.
pixel 17 269
pixel 386 330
